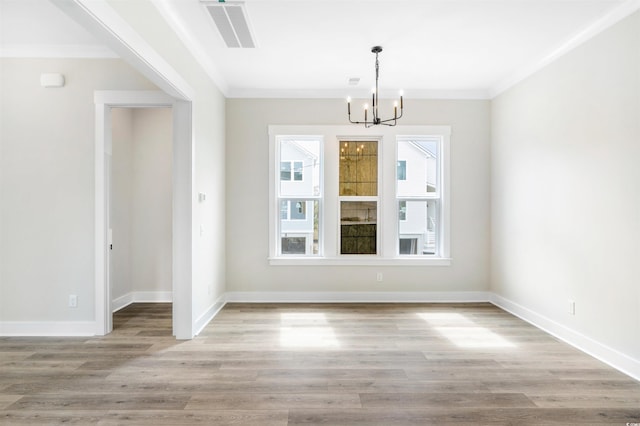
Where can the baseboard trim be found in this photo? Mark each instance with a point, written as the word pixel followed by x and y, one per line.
pixel 47 328
pixel 209 314
pixel 357 297
pixel 610 356
pixel 141 297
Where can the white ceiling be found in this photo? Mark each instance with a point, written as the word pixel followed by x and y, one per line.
pixel 432 48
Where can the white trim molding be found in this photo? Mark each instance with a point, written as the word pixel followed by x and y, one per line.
pixel 47 328
pixel 183 200
pixel 56 51
pixel 141 297
pixel 357 296
pixel 209 314
pixel 354 260
pixel 610 356
pixel 610 19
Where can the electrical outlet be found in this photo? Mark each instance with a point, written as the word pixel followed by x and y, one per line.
pixel 379 276
pixel 73 301
pixel 571 307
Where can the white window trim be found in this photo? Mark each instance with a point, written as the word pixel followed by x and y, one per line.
pixel 329 199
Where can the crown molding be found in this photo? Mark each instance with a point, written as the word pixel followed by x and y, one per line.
pixel 355 94
pixel 56 51
pixel 607 21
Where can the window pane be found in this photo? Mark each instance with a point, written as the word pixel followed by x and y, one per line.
pixel 418 176
pixel 297 170
pixel 358 227
pixel 299 233
pixel 402 170
pixel 359 168
pixel 298 210
pixel 299 167
pixel 285 170
pixel 418 229
pixel 408 246
pixel 294 245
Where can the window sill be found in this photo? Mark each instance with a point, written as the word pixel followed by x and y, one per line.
pixel 359 261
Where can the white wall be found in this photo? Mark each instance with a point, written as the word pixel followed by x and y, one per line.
pixel 141 204
pixel 247 200
pixel 565 194
pixel 46 185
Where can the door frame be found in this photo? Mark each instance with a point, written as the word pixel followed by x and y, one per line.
pixel 182 206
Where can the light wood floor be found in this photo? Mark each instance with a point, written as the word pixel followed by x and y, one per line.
pixel 332 364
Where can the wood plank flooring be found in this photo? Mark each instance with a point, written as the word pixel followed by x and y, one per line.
pixel 330 364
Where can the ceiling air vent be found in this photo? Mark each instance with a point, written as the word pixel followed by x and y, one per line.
pixel 231 20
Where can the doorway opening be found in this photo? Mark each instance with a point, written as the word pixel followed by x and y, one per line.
pixel 140 207
pixel 180 253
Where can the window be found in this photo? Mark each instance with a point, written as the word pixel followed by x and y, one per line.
pixel 418 195
pixel 299 196
pixel 348 195
pixel 285 170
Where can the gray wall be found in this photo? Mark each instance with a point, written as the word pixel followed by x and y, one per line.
pixel 47 185
pixel 566 201
pixel 247 200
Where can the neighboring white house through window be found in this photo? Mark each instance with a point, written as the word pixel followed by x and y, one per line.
pixel 418 194
pixel 402 170
pixel 299 195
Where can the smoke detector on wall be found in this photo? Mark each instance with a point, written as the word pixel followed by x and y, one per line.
pixel 230 18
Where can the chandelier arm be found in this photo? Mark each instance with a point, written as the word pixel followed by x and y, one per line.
pixel 392 119
pixel 360 122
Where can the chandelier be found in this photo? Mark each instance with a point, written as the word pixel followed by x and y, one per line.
pixel 375 119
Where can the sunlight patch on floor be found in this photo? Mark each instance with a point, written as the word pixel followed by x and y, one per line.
pixel 306 330
pixel 463 332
